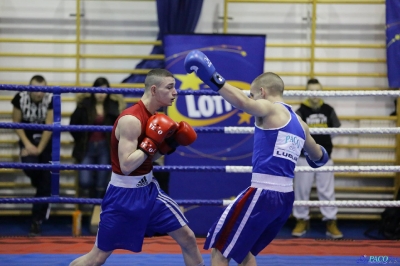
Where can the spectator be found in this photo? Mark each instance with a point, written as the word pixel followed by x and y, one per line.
pixel 316 113
pixel 35 145
pixel 93 147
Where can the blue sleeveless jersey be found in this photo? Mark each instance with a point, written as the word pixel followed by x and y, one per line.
pixel 276 150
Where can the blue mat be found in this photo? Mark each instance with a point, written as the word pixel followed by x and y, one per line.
pixel 176 260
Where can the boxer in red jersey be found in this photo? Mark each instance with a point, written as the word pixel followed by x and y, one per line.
pixel 134 205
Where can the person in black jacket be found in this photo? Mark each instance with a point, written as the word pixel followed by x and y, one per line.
pixel 93 147
pixel 316 113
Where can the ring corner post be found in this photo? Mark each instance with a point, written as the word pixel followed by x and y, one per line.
pixel 56 143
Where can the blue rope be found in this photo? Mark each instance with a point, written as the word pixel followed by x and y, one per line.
pixel 68 128
pixel 57 128
pixel 51 89
pixel 97 201
pixel 104 167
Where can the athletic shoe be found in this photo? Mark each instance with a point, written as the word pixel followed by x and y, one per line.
pixel 35 228
pixel 301 227
pixel 332 230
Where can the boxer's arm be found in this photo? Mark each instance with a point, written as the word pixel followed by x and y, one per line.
pixel 197 61
pixel 127 132
pixel 310 146
pixel 237 98
pixel 157 156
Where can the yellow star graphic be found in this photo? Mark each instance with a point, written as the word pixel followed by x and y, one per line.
pixel 189 81
pixel 244 118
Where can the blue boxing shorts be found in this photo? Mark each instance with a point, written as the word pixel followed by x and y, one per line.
pixel 250 222
pixel 135 206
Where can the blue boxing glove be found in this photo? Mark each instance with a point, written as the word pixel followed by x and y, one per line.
pixel 199 62
pixel 322 161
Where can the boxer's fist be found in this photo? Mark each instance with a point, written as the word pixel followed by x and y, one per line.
pixel 148 146
pixel 184 135
pixel 321 162
pixel 199 62
pixel 158 128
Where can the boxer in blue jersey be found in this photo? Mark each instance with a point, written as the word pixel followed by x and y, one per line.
pixel 257 214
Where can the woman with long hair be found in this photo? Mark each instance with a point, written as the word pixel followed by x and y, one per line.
pixel 93 147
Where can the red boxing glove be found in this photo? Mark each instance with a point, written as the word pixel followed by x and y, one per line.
pixel 185 135
pixel 158 128
pixel 148 147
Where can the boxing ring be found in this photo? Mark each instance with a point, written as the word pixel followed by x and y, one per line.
pixel 55 166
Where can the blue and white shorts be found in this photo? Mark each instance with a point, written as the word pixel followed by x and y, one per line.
pixel 250 223
pixel 135 206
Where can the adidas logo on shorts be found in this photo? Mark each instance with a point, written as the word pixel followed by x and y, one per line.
pixel 143 182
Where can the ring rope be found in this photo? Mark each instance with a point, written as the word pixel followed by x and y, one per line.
pixel 323 131
pixel 343 203
pixel 177 168
pixel 226 130
pixel 339 203
pixel 394 93
pixel 58 89
pixel 377 168
pixel 56 166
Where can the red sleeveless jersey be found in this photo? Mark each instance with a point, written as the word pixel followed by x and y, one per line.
pixel 140 112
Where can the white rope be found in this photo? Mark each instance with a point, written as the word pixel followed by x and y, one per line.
pixel 342 203
pixel 380 168
pixel 239 130
pixel 394 93
pixel 324 131
pixel 388 130
pixel 238 169
pixel 350 203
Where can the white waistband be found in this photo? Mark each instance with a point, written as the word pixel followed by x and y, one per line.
pixel 272 182
pixel 128 181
